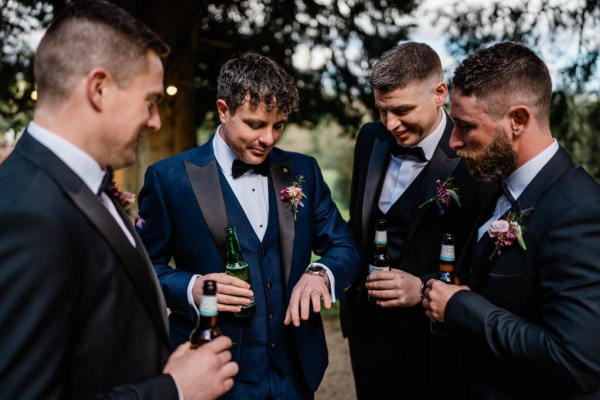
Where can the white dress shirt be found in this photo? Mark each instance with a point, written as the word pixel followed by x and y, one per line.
pixel 402 171
pixel 517 182
pixel 82 164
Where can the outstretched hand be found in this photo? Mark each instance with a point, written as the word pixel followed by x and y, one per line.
pixel 310 289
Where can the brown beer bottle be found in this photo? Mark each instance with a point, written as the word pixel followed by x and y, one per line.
pixel 207 327
pixel 381 260
pixel 445 274
pixel 236 266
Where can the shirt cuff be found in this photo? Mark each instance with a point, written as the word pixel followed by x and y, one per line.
pixel 331 280
pixel 190 297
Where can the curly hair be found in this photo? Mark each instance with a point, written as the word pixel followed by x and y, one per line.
pixel 259 78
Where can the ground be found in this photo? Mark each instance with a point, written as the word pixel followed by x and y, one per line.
pixel 338 383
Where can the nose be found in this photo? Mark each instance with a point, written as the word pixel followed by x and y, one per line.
pixel 154 122
pixel 267 137
pixel 392 123
pixel 456 143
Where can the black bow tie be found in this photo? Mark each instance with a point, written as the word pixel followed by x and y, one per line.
pixel 238 168
pixel 402 151
pixel 106 180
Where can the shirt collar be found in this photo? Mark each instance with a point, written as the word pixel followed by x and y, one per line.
pixel 430 142
pixel 223 153
pixel 522 177
pixel 78 160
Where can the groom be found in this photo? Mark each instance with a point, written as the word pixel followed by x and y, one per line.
pixel 236 179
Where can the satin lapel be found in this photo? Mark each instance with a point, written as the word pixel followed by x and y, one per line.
pixel 91 206
pixel 141 251
pixel 375 173
pixel 207 189
pixel 281 174
pixel 439 167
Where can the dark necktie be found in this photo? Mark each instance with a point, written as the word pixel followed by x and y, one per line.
pixel 515 206
pixel 106 180
pixel 238 168
pixel 403 151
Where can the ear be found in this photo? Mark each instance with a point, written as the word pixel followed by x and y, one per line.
pixel 223 110
pixel 440 93
pixel 520 116
pixel 97 82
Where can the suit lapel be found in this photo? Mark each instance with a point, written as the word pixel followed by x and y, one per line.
pixel 281 174
pixel 207 189
pixel 90 205
pixel 375 172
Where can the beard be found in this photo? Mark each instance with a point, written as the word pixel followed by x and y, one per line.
pixel 493 162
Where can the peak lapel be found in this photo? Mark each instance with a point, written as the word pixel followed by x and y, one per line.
pixel 375 174
pixel 281 173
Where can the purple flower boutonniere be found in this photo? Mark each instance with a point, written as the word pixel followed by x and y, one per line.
pixel 126 200
pixel 506 231
pixel 444 194
pixel 294 195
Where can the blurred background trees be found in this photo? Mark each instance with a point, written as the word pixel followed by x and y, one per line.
pixel 329 47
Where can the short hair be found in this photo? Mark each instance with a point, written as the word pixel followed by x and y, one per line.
pixel 404 64
pixel 90 34
pixel 504 75
pixel 260 78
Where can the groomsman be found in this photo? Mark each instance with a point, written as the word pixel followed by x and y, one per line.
pixel 529 315
pixel 82 314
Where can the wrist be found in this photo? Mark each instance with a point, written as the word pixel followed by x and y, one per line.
pixel 317 270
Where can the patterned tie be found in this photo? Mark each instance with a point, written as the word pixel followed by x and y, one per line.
pixel 239 168
pixel 403 151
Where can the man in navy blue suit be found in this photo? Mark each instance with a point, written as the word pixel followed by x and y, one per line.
pixel 237 179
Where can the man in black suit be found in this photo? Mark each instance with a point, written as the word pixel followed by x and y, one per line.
pixel 82 314
pixel 393 352
pixel 529 315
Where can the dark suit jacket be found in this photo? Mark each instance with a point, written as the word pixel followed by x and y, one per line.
pixel 421 250
pixel 532 320
pixel 185 215
pixel 79 313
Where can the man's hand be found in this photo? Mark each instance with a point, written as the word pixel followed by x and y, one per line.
pixel 394 288
pixel 205 373
pixel 436 296
pixel 232 292
pixel 309 289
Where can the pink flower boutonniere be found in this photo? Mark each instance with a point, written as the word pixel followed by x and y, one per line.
pixel 294 195
pixel 506 231
pixel 444 194
pixel 126 200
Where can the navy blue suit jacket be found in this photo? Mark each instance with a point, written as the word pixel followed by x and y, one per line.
pixel 182 204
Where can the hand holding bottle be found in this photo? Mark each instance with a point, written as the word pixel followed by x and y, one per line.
pixel 231 291
pixel 394 288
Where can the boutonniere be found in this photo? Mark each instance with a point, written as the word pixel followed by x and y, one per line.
pixel 507 230
pixel 444 194
pixel 294 195
pixel 126 200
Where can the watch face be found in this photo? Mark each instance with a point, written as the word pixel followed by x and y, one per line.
pixel 316 268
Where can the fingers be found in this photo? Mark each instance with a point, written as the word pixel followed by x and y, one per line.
pixel 217 345
pixel 310 290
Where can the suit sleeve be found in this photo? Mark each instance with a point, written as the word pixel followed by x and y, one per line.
pixel 563 344
pixel 156 233
pixel 39 263
pixel 333 239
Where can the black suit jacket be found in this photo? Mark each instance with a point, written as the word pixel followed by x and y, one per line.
pixel 421 250
pixel 80 313
pixel 532 322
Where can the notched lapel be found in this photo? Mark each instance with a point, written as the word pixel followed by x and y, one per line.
pixel 207 189
pixel 281 173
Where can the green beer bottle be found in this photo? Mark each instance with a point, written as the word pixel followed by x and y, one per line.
pixel 236 266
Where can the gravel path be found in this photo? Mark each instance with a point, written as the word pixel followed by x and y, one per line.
pixel 338 383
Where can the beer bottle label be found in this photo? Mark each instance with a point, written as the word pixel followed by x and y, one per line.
pixel 373 268
pixel 380 237
pixel 208 306
pixel 447 253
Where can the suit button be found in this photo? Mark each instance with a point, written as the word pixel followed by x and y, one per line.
pixel 471 271
pixel 272 345
pixel 269 285
pixel 270 316
pixel 263 253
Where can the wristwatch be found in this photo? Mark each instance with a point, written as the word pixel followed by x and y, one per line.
pixel 319 271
